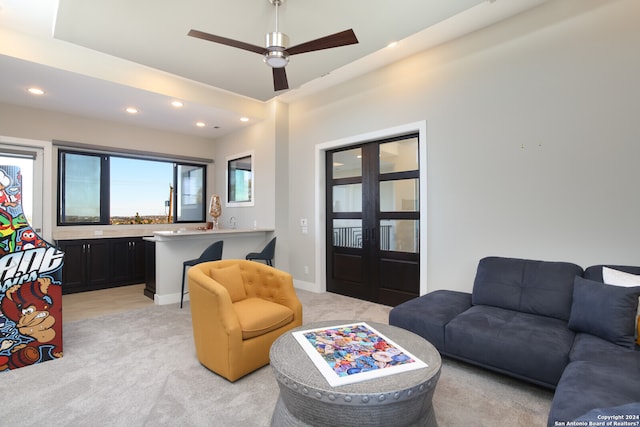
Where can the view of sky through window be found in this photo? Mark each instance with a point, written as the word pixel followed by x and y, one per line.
pixel 139 187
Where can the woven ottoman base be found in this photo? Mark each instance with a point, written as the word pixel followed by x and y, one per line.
pixel 402 399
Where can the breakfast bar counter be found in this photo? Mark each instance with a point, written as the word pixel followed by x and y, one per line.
pixel 174 247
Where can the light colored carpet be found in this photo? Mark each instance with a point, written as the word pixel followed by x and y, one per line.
pixel 139 368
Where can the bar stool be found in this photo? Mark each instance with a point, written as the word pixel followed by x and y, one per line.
pixel 266 254
pixel 212 253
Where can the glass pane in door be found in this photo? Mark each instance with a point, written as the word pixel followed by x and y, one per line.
pixel 347 233
pixel 401 235
pixel 347 163
pixel 400 195
pixel 347 198
pixel 399 156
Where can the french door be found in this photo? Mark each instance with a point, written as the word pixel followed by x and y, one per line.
pixel 373 220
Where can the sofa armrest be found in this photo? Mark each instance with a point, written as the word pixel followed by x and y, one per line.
pixel 428 315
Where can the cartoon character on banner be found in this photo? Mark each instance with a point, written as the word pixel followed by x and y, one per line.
pixel 30 284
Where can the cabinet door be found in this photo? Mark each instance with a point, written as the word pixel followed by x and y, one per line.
pixel 74 269
pixel 138 260
pixel 98 276
pixel 120 265
pixel 127 260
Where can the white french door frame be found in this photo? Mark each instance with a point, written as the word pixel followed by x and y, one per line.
pixel 320 194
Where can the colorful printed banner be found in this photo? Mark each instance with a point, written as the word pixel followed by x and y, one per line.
pixel 30 284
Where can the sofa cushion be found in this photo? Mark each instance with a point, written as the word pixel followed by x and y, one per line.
pixel 524 345
pixel 589 347
pixel 612 276
pixel 587 385
pixel 231 278
pixel 606 311
pixel 535 287
pixel 258 316
pixel 427 315
pixel 595 272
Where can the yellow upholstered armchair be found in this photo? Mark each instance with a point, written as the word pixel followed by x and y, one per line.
pixel 238 309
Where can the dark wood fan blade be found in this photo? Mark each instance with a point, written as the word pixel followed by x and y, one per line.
pixel 280 79
pixel 342 38
pixel 227 42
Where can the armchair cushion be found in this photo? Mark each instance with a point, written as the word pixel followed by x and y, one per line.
pixel 258 316
pixel 231 278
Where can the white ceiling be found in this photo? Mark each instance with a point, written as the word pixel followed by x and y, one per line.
pixel 94 58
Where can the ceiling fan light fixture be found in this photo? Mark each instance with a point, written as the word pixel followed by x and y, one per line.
pixel 277 39
pixel 276 58
pixel 277 51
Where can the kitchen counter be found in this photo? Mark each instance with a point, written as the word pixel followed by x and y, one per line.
pixel 174 247
pixel 206 234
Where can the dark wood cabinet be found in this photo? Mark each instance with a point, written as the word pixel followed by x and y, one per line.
pixel 150 266
pixel 86 265
pixel 127 260
pixel 92 264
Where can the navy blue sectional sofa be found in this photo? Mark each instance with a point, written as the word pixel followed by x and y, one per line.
pixel 549 323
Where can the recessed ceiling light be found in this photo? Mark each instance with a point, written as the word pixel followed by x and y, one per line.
pixel 177 104
pixel 392 44
pixel 244 119
pixel 201 124
pixel 35 91
pixel 131 110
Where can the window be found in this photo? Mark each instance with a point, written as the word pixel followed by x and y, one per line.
pixel 190 179
pixel 240 180
pixel 108 189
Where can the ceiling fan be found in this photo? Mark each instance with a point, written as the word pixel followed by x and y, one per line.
pixel 277 51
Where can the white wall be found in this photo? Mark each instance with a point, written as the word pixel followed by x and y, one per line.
pixel 261 140
pixel 532 140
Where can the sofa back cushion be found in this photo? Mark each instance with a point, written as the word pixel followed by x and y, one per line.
pixel 537 287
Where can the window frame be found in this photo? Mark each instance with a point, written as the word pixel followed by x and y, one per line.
pixel 177 189
pixel 229 182
pixel 105 214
